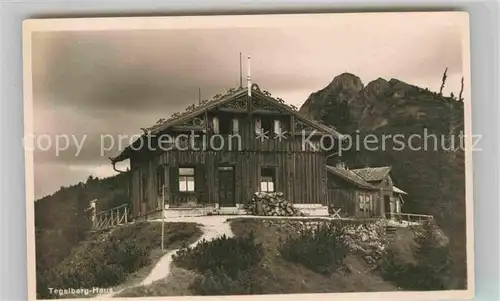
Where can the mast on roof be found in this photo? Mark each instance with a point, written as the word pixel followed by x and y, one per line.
pixel 199 96
pixel 249 79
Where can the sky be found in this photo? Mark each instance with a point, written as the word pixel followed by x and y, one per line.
pixel 90 83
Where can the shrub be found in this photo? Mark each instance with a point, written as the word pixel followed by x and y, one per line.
pixel 320 249
pixel 226 265
pixel 231 254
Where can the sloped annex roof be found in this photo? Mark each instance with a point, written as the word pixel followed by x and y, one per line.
pixel 355 177
pixel 351 177
pixel 216 101
pixel 397 190
pixel 372 174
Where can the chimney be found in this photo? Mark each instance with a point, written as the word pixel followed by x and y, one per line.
pixel 249 79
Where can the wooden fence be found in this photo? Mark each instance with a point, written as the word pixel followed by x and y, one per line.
pixel 110 218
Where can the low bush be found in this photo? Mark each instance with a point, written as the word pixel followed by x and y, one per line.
pixel 225 264
pixel 321 249
pixel 232 254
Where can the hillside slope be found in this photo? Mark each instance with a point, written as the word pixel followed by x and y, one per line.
pixel 61 219
pixel 433 176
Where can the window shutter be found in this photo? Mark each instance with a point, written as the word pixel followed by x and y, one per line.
pixel 199 183
pixel 258 126
pixel 215 125
pixel 277 126
pixel 236 126
pixel 136 181
pixel 174 179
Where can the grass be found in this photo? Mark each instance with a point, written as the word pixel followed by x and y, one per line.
pixel 175 284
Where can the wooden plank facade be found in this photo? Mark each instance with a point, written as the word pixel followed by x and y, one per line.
pixel 353 201
pixel 215 157
pixel 367 192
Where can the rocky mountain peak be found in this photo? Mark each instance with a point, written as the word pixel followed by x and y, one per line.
pixel 341 89
pixel 376 87
pixel 347 81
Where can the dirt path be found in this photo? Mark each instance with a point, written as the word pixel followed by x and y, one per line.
pixel 212 227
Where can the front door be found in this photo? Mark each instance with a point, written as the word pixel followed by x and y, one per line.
pixel 387 205
pixel 226 187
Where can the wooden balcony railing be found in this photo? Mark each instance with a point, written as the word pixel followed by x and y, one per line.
pixel 409 217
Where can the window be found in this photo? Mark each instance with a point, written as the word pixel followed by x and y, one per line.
pixel 267 180
pixel 264 125
pixel 267 125
pixel 160 178
pixel 225 125
pixel 365 202
pixel 186 179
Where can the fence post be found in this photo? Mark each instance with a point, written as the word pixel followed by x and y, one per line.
pixel 162 216
pixel 126 215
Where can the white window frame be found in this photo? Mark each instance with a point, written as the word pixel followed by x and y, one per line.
pixel 267 184
pixel 187 179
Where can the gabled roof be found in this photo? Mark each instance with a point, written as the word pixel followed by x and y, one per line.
pixel 372 174
pixel 351 177
pixel 232 94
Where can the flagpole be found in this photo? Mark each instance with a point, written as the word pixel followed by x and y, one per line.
pixel 241 74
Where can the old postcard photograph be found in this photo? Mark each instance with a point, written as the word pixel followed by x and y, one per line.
pixel 259 156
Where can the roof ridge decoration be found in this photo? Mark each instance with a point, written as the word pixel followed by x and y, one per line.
pixel 162 123
pixel 193 110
